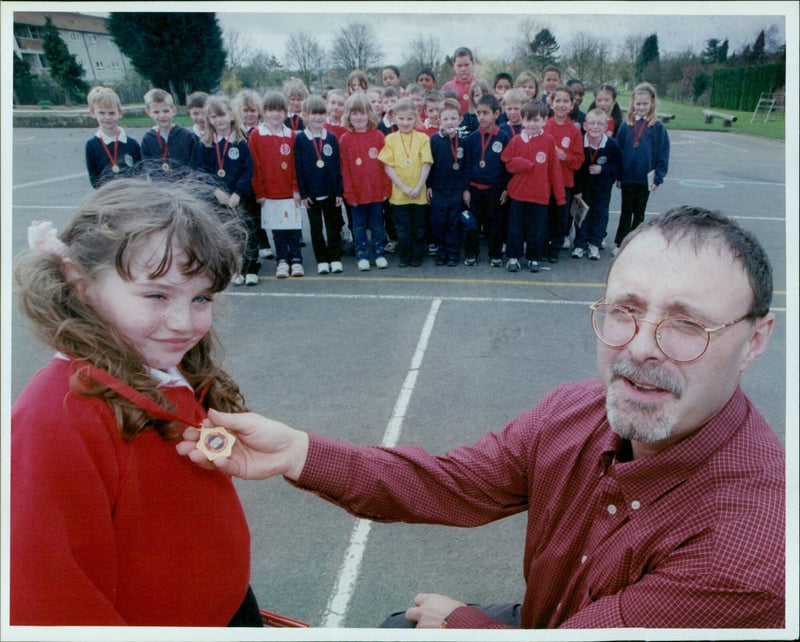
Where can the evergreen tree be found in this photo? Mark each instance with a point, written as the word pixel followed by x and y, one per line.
pixel 64 67
pixel 648 63
pixel 23 80
pixel 544 48
pixel 757 51
pixel 178 52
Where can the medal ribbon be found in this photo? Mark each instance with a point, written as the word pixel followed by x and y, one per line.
pixel 124 390
pixel 407 150
pixel 221 159
pixel 485 143
pixel 454 147
pixel 317 148
pixel 164 147
pixel 116 147
pixel 637 133
pixel 295 121
pixel 592 156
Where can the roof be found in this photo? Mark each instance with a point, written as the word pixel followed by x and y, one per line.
pixel 63 20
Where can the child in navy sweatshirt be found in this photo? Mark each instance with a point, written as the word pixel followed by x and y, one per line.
pixel 319 181
pixel 110 152
pixel 170 146
pixel 645 158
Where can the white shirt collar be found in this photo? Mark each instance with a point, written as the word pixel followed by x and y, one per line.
pixel 602 144
pixel 169 378
pixel 311 136
pixel 110 139
pixel 265 131
pixel 526 137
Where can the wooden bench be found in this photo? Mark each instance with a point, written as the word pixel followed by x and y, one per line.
pixel 727 119
pixel 664 118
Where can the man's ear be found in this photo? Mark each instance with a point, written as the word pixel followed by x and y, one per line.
pixel 759 340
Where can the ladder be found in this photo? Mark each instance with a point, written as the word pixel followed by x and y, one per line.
pixel 766 104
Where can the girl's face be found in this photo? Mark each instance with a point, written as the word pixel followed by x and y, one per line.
pixel 405 121
pixel 356 87
pixel 530 89
pixel 605 101
pixel 315 122
pixel 376 102
pixel 162 317
pixel 250 116
pixel 426 81
pixel 390 79
pixel 477 92
pixel 274 118
pixel 562 104
pixel 295 103
pixel 419 102
pixel 359 121
pixel 642 103
pixel 501 87
pixel 221 122
pixel 335 107
pixel 577 91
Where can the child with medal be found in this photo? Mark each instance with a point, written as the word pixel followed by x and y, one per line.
pixel 110 152
pixel 448 185
pixel 108 525
pixel 319 181
pixel 224 154
pixel 167 144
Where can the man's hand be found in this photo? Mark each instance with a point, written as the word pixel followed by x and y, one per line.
pixel 263 447
pixel 431 609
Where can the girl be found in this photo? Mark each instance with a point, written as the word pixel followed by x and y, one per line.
pixel 526 81
pixel 478 88
pixel 224 155
pixel 569 150
pixel 357 82
pixel 577 91
pixel 645 158
pixel 366 185
pixel 107 523
pixel 375 97
pixel 605 97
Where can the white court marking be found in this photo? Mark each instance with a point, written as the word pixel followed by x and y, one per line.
pixel 47 181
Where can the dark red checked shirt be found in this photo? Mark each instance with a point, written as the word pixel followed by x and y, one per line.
pixel 691 537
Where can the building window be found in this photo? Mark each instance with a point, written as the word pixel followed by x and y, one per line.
pixel 99 65
pixel 92 38
pixel 115 65
pixel 73 35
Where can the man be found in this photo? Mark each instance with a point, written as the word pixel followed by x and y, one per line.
pixel 655 495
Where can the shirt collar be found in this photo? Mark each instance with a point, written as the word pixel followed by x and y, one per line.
pixel 264 131
pixel 602 144
pixel 110 139
pixel 311 136
pixel 169 378
pixel 526 137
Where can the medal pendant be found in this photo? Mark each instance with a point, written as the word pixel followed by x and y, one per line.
pixel 165 167
pixel 635 144
pixel 284 166
pixel 215 442
pixel 221 173
pixel 407 161
pixel 482 164
pixel 358 161
pixel 465 96
pixel 320 163
pixel 455 166
pixel 115 168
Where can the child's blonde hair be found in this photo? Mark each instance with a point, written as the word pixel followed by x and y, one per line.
pixel 104 98
pixel 295 87
pixel 336 92
pixel 515 96
pixel 451 104
pixel 248 98
pixel 361 76
pixel 156 95
pixel 484 87
pixel 527 76
pixel 643 88
pixel 404 104
pixel 314 105
pixel 359 104
pixel 217 105
pixel 106 233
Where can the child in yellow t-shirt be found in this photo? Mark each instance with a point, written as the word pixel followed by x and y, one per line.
pixel 407 158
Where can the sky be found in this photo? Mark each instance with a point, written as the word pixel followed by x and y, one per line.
pixel 679 25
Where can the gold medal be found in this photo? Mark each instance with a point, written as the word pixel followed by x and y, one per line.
pixel 284 166
pixel 320 163
pixel 221 173
pixel 455 166
pixel 215 442
pixel 358 161
pixel 165 167
pixel 482 164
pixel 465 96
pixel 115 168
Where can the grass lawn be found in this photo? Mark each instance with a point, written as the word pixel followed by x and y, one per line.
pixel 691 117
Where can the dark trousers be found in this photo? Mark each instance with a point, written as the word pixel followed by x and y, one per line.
pixel 491 217
pixel 446 222
pixel 326 212
pixel 509 614
pixel 527 223
pixel 287 245
pixel 388 222
pixel 631 215
pixel 368 215
pixel 557 223
pixel 409 221
pixel 251 217
pixel 593 228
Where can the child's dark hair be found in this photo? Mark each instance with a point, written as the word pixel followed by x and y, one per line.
pixel 390 92
pixel 275 101
pixel 463 51
pixel 533 108
pixel 503 76
pixel 106 232
pixel 551 68
pixel 616 111
pixel 490 101
pixel 394 69
pixel 196 99
pixel 426 72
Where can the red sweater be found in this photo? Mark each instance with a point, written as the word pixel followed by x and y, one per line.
pixel 567 137
pixel 273 163
pixel 363 175
pixel 535 169
pixel 109 532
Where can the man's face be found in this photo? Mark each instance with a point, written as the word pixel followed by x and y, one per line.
pixel 651 400
pixel 462 67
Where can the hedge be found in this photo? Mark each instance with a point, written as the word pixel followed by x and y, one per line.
pixel 741 87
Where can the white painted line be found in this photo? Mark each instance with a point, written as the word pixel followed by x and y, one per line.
pixel 339 601
pixel 47 181
pixel 45 207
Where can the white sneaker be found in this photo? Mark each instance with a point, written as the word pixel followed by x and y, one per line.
pixel 282 271
pixel 566 244
pixel 265 253
pixel 390 247
pixel 603 244
pixel 363 264
pixel 237 279
pixel 381 263
pixel 615 251
pixel 594 253
pixel 336 267
pixel 578 253
pixel 512 265
pixel 251 279
pixel 323 268
pixel 297 269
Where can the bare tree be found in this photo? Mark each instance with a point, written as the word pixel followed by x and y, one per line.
pixel 587 56
pixel 355 47
pixel 238 47
pixel 424 52
pixel 521 46
pixel 304 54
pixel 629 52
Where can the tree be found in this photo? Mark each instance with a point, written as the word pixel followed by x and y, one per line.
pixel 423 52
pixel 304 53
pixel 355 46
pixel 588 56
pixel 180 52
pixel 757 51
pixel 700 84
pixel 715 52
pixel 237 48
pixel 64 67
pixel 24 80
pixel 262 72
pixel 648 63
pixel 544 48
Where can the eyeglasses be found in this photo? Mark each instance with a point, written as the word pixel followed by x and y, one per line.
pixel 681 339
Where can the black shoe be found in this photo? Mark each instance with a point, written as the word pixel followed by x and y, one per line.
pixel 452 261
pixel 440 260
pixel 403 263
pixel 416 262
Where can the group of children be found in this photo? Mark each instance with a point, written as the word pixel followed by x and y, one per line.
pixel 417 170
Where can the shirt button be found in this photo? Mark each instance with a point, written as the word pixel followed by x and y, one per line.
pixel 583 559
pixel 635 505
pixel 612 509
